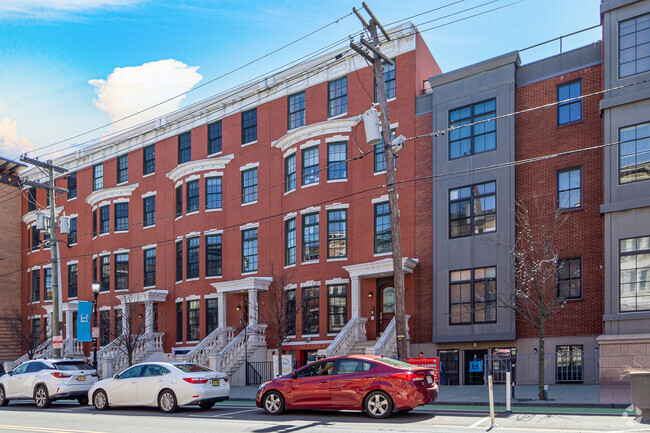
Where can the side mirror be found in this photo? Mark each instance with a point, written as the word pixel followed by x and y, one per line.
pixel 10 372
pixel 116 376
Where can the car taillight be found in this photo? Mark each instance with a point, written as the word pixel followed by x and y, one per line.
pixel 194 380
pixel 94 375
pixel 409 376
pixel 60 375
pixel 225 379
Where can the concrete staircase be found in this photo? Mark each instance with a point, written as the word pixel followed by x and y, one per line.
pixel 365 347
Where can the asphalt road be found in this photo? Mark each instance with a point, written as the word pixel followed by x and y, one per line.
pixel 231 417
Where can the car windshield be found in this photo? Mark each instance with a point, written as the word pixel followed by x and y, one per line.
pixel 394 362
pixel 72 365
pixel 192 368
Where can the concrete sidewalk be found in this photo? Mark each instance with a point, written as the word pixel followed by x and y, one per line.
pixel 603 396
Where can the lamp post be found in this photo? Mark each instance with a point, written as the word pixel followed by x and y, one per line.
pixel 95 287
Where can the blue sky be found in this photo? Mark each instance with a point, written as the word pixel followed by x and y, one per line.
pixel 70 66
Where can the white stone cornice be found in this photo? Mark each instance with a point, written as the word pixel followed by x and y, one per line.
pixel 329 127
pixel 142 297
pixel 250 283
pixel 193 167
pixel 30 217
pixel 110 193
pixel 383 267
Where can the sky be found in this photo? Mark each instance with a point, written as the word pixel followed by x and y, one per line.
pixel 71 69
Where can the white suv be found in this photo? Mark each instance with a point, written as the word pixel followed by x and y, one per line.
pixel 47 380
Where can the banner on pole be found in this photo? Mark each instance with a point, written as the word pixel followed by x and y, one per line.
pixel 83 321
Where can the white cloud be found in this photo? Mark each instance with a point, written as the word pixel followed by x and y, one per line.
pixel 10 145
pixel 131 89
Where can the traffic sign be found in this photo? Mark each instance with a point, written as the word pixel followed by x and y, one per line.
pixel 95 332
pixel 57 341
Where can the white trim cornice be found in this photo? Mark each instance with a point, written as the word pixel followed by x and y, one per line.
pixel 192 167
pixel 142 297
pixel 329 127
pixel 250 283
pixel 383 267
pixel 110 193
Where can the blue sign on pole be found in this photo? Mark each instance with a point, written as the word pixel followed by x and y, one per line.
pixel 83 321
pixel 475 366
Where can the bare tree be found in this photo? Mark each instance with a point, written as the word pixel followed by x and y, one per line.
pixel 536 298
pixel 279 311
pixel 25 331
pixel 130 330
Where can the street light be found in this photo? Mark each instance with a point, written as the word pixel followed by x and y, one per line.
pixel 95 287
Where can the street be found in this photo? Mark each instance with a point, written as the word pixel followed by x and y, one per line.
pixel 232 417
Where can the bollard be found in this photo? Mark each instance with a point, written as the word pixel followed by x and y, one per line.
pixel 491 395
pixel 508 399
pixel 545 392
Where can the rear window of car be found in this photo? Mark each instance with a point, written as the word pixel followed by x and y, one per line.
pixel 192 368
pixel 394 362
pixel 78 365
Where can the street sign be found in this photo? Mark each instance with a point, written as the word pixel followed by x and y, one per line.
pixel 95 332
pixel 57 342
pixel 475 366
pixel 432 363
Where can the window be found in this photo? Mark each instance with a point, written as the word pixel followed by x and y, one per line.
pixel 72 280
pixel 213 255
pixel 36 238
pixel 249 126
pixel 36 285
pixel 72 186
pixel 634 153
pixel 337 166
pixel 249 250
pixel 72 235
pixel 337 307
pixel 380 154
pixel 634 46
pixel 569 188
pixel 214 137
pixel 249 185
pixel 473 296
pixel 104 219
pixel 310 237
pixel 122 168
pixel 149 159
pixel 569 278
pixel 383 234
pixel 31 199
pixel 150 267
pixel 290 173
pixel 193 320
pixel 472 210
pixel 296 110
pixel 179 261
pixel 95 277
pixel 104 327
pixel 290 242
pixel 571 110
pixel 121 217
pixel 310 165
pixel 635 274
pixel 192 258
pixel 479 137
pixel 98 177
pixel 149 211
pixel 105 277
pixel 337 97
pixel 94 222
pixel 121 271
pixel 211 315
pixel 192 196
pixel 290 311
pixel 389 80
pixel 569 363
pixel 310 312
pixel 184 147
pixel 118 321
pixel 213 193
pixel 179 322
pixel 337 237
pixel 48 283
pixel 179 201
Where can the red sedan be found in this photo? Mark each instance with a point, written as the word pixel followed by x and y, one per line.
pixel 376 385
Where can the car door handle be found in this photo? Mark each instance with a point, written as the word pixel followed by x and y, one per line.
pixel 324 381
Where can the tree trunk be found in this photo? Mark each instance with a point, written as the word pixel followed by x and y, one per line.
pixel 540 360
pixel 279 358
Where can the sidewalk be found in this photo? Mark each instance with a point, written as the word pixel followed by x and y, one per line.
pixel 603 396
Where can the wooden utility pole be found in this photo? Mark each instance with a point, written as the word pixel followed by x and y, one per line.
pixel 54 257
pixel 396 238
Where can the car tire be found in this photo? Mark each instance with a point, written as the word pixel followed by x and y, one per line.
pixel 100 400
pixel 167 401
pixel 378 404
pixel 273 403
pixel 206 404
pixel 83 401
pixel 3 397
pixel 41 397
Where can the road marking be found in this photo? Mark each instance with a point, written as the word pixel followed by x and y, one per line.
pixel 43 429
pixel 481 421
pixel 232 413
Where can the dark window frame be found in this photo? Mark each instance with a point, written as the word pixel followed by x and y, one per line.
pixel 122 169
pixel 104 219
pixel 179 322
pixel 149 211
pixel 105 273
pixel 149 159
pixel 184 147
pixel 121 271
pixel 72 185
pixel 249 185
pixel 636 167
pixel 337 97
pixel 192 196
pixel 473 217
pixel 121 217
pixel 570 189
pixel 248 245
pixel 290 173
pixel 211 315
pixel 98 177
pixel 310 310
pixel 334 223
pixel 192 257
pixel 310 170
pixel 625 43
pixel 478 125
pixel 311 241
pixel 337 169
pixel 473 281
pixel 337 315
pixel 179 201
pixel 249 126
pixel 641 247
pixel 290 242
pixel 390 80
pixel 179 261
pixel 213 255
pixel 193 320
pixel 380 244
pixel 296 110
pixel 73 286
pixel 36 285
pixel 213 192
pixel 563 277
pixel 149 271
pixel 72 235
pixel 566 104
pixel 215 137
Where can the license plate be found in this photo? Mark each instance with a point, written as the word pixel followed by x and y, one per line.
pixel 215 382
pixel 81 378
pixel 429 379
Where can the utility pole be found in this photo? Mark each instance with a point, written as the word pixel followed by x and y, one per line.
pixel 396 238
pixel 51 190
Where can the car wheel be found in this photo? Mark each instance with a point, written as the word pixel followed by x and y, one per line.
pixel 100 400
pixel 167 401
pixel 273 403
pixel 3 398
pixel 378 404
pixel 206 404
pixel 83 401
pixel 41 397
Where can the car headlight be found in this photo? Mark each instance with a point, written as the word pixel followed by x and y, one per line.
pixel 263 385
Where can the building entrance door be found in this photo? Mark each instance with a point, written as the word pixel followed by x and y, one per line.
pixel 385 305
pixel 475 367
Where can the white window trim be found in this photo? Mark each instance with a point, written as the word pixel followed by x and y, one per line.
pixel 249 226
pixel 249 166
pixel 121 200
pixel 289 152
pixel 310 185
pixel 312 209
pixel 336 281
pixel 290 215
pixel 192 177
pixel 193 298
pixel 249 203
pixel 310 283
pixel 150 246
pixel 249 143
pixel 149 194
pixel 335 206
pixel 336 138
pixel 213 232
pixel 121 251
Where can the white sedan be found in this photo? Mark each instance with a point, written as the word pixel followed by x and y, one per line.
pixel 163 384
